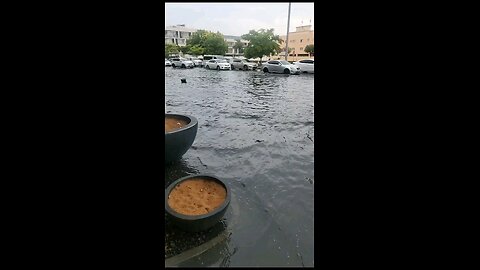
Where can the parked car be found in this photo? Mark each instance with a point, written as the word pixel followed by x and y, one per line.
pixel 182 62
pixel 168 63
pixel 207 58
pixel 242 64
pixel 217 64
pixel 280 66
pixel 306 66
pixel 196 62
pixel 229 59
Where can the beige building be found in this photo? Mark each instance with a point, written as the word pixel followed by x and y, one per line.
pixel 297 41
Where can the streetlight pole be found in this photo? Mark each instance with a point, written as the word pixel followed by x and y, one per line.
pixel 288 27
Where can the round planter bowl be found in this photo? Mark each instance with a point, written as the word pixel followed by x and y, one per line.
pixel 200 222
pixel 178 141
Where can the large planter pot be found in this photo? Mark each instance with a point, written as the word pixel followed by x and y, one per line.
pixel 178 141
pixel 197 223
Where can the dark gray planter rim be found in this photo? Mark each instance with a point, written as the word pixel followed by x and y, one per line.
pixel 193 121
pixel 185 217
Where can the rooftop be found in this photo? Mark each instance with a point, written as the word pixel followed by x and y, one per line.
pixel 180 27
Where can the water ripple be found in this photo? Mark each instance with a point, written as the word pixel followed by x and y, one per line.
pixel 255 130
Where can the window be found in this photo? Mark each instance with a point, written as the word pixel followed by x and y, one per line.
pixel 274 62
pixel 301 40
pixel 301 48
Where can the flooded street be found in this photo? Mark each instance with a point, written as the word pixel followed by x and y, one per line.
pixel 256 132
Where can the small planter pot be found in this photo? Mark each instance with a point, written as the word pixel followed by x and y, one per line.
pixel 199 222
pixel 178 141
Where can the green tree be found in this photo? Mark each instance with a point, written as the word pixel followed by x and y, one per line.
pixel 215 44
pixel 170 49
pixel 238 45
pixel 196 50
pixel 262 43
pixel 185 49
pixel 198 38
pixel 309 49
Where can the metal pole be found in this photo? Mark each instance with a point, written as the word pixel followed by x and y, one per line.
pixel 288 27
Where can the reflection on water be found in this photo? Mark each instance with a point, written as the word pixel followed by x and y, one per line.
pixel 255 131
pixel 179 169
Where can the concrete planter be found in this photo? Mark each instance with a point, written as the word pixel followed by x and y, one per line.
pixel 177 142
pixel 200 222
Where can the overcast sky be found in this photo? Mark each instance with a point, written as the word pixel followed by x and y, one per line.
pixel 238 18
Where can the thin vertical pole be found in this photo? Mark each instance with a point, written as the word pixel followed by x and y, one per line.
pixel 288 27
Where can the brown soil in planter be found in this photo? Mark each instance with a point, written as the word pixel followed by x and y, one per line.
pixel 197 196
pixel 174 123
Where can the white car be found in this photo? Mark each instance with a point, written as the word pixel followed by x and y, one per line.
pixel 168 63
pixel 196 62
pixel 217 64
pixel 280 66
pixel 242 64
pixel 182 62
pixel 306 66
pixel 209 57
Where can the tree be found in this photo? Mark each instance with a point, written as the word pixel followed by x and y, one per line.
pixel 170 49
pixel 215 44
pixel 196 50
pixel 238 45
pixel 198 38
pixel 262 43
pixel 206 42
pixel 309 49
pixel 185 49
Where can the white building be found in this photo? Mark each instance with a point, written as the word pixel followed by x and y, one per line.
pixel 231 40
pixel 178 34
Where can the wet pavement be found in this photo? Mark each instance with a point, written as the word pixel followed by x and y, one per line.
pixel 256 132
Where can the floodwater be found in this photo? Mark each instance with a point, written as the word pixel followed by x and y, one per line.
pixel 256 132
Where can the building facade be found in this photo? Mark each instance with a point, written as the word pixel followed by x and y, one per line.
pixel 178 34
pixel 297 41
pixel 231 40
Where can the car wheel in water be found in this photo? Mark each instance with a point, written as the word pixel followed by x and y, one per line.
pixel 218 67
pixel 208 67
pixel 265 70
pixel 286 71
pixel 183 66
pixel 173 65
pixel 245 67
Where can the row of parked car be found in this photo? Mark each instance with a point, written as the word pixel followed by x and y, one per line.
pixel 222 63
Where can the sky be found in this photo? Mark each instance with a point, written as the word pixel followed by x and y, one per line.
pixel 238 18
